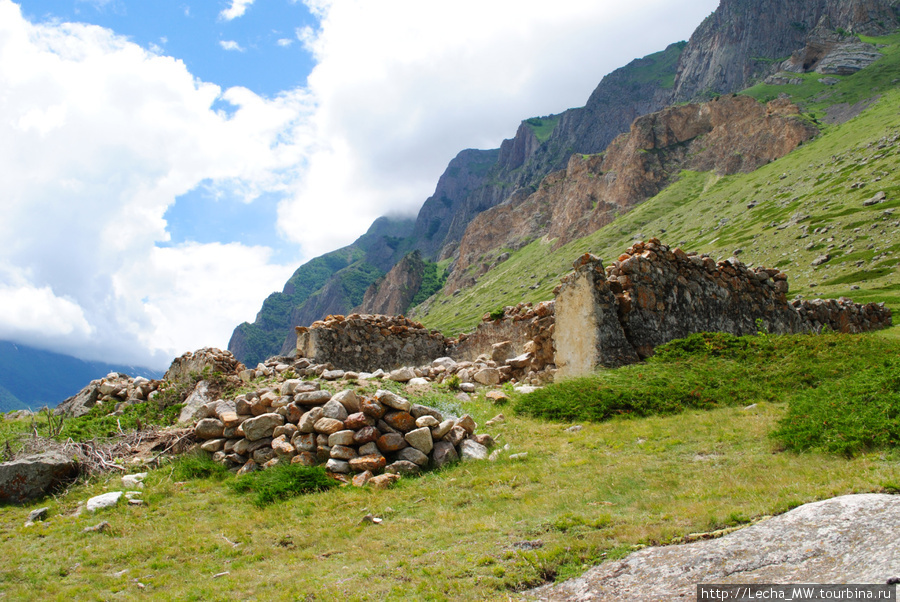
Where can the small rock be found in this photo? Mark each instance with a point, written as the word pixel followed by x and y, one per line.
pixel 420 439
pixel 403 468
pixel 467 423
pixel 134 481
pixel 574 429
pixel 497 397
pixel 98 528
pixel 261 426
pixel 444 453
pixel 338 466
pixel 498 419
pixel 334 409
pixel 470 450
pixel 383 481
pixel 411 454
pixel 333 375
pixel 362 478
pixel 520 456
pixel 371 463
pixel 487 376
pixel 427 421
pixel 348 399
pixel 442 429
pixel 36 515
pixel 107 500
pixel 467 387
pixel 402 375
pixel 392 400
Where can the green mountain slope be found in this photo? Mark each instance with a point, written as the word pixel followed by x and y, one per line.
pixel 786 214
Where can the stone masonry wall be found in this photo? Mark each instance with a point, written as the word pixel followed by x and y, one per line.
pixel 358 342
pixel 652 295
pixel 527 328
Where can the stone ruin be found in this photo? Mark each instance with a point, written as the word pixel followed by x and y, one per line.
pixel 653 294
pixel 367 342
pixel 600 317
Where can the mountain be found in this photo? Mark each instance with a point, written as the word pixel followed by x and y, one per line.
pixel 742 43
pixel 32 378
pixel 332 283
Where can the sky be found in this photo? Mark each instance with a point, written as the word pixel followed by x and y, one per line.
pixel 165 165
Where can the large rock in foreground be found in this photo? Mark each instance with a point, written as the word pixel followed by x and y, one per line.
pixel 33 477
pixel 849 539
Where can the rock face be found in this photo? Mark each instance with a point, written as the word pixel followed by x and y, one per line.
pixel 392 294
pixel 736 44
pixel 842 540
pixel 359 342
pixel 33 477
pixel 729 135
pixel 653 294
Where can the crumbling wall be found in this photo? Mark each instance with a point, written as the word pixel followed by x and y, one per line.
pixel 528 328
pixel 652 294
pixel 359 341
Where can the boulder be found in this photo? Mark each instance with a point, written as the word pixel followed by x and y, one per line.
pixel 261 426
pixel 470 450
pixel 420 439
pixel 392 400
pixel 402 375
pixel 348 399
pixel 35 476
pixel 80 403
pixel 198 398
pixel 842 540
pixel 487 376
pixel 444 454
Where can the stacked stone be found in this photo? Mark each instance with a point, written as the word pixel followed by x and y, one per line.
pixel 358 342
pixel 116 390
pixel 349 434
pixel 208 359
pixel 667 294
pixel 528 328
pixel 842 315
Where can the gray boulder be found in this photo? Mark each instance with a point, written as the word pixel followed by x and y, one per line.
pixel 196 400
pixel 80 403
pixel 35 476
pixel 848 539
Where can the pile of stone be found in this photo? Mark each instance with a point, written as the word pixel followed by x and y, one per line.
pixel 375 438
pixel 361 341
pixel 115 390
pixel 202 363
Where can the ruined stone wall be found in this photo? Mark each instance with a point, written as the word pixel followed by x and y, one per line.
pixel 653 294
pixel 359 342
pixel 528 328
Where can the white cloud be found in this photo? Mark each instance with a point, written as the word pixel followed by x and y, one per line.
pixel 98 138
pixel 230 45
pixel 285 42
pixel 402 85
pixel 237 9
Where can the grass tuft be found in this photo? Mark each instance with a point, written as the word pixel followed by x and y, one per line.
pixel 282 482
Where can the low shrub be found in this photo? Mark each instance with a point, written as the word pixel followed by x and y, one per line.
pixel 282 482
pixel 197 465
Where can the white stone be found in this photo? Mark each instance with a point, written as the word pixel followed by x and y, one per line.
pixel 418 382
pixel 134 481
pixel 402 375
pixel 348 399
pixel 107 500
pixel 470 450
pixel 467 387
pixel 392 400
pixel 420 438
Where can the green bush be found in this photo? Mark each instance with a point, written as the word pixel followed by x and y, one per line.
pixel 197 465
pixel 710 370
pixel 282 481
pixel 855 414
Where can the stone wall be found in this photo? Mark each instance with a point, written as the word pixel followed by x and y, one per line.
pixel 527 328
pixel 359 342
pixel 653 294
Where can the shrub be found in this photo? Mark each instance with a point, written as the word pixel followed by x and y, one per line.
pixel 197 465
pixel 282 481
pixel 858 413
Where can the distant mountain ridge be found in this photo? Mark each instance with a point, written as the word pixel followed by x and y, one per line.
pixel 32 378
pixel 741 43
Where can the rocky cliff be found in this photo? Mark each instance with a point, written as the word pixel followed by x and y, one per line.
pixel 392 294
pixel 745 40
pixel 729 135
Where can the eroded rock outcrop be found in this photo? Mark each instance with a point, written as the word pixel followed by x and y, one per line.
pixel 729 135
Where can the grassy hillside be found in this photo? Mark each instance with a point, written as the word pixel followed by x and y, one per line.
pixel 769 217
pixel 475 531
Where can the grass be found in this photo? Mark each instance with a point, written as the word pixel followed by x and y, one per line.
pixel 578 499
